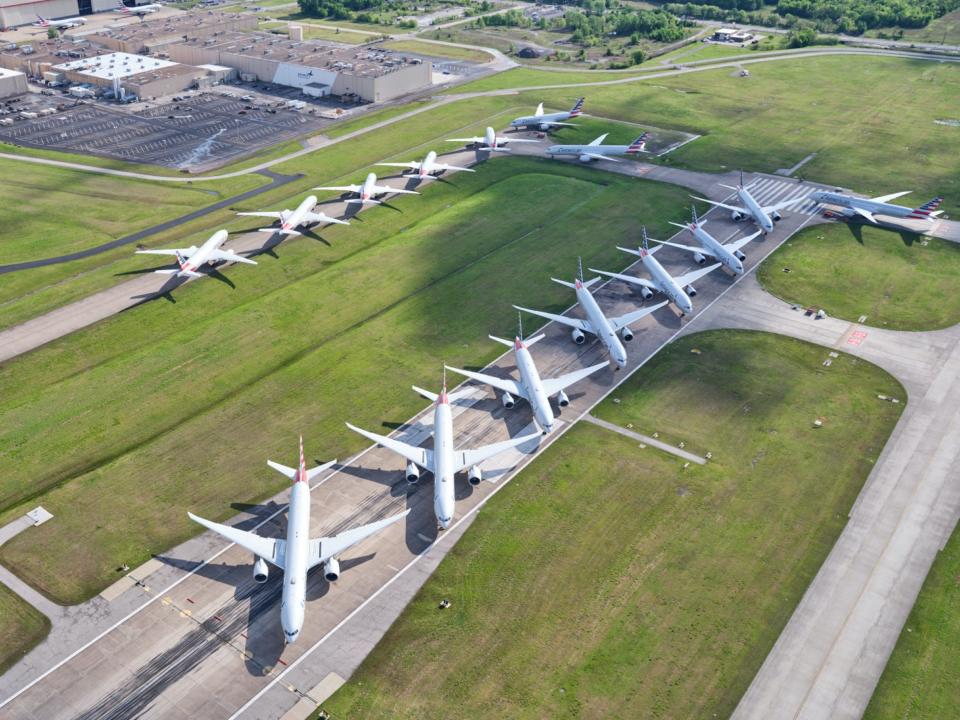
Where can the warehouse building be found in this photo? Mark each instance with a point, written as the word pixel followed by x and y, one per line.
pixel 153 34
pixel 144 77
pixel 12 82
pixel 37 57
pixel 317 68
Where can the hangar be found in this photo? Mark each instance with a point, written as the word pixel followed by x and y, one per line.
pixel 17 12
pixel 12 82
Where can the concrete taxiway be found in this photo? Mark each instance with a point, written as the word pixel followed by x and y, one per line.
pixel 202 640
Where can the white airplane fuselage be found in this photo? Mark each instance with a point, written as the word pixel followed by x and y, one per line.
pixel 367 190
pixel 871 206
pixel 296 560
pixel 716 248
pixel 426 167
pixel 443 464
pixel 533 386
pixel 591 149
pixel 202 255
pixel 665 282
pixel 63 23
pixel 605 333
pixel 538 120
pixel 759 216
pixel 295 218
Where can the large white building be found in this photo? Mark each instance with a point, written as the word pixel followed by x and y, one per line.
pixel 12 82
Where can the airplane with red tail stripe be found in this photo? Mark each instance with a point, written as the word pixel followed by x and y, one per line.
pixel 369 191
pixel 191 259
pixel 596 150
pixel 867 208
pixel 296 555
pixel 290 220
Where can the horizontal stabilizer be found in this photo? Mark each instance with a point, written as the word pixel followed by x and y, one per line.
pixel 279 231
pixel 361 201
pixel 582 325
pixel 433 397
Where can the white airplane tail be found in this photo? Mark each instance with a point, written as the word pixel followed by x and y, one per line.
pixel 434 397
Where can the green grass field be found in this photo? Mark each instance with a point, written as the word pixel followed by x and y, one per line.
pixel 609 581
pixel 225 377
pixel 920 681
pixel 21 627
pixel 447 51
pixel 899 281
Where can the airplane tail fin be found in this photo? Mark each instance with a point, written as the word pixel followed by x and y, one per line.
pixel 928 210
pixel 638 145
pixel 577 109
pixel 292 473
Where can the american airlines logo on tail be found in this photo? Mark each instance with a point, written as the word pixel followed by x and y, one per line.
pixel 639 144
pixel 42 22
pixel 577 109
pixel 928 210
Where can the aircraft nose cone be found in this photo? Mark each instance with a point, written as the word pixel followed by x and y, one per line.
pixel 290 637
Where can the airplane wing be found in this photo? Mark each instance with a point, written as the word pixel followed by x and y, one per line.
pixel 467 140
pixel 582 325
pixel 688 248
pixel 629 279
pixel 514 140
pixel 387 189
pixel 864 213
pixel 322 549
pixel 186 252
pixel 320 217
pixel 274 215
pixel 692 277
pixel 723 205
pixel 599 140
pixel 340 188
pixel 229 256
pixel 510 386
pixel 269 549
pixel 891 196
pixel 444 166
pixel 737 244
pixel 465 458
pixel 412 164
pixel 599 156
pixel 624 320
pixel 416 455
pixel 552 386
pixel 554 122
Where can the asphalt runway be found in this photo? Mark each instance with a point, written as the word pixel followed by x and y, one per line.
pixel 210 645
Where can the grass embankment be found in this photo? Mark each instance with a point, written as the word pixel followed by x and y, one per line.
pixel 920 681
pixel 30 293
pixel 899 281
pixel 443 51
pixel 202 391
pixel 22 627
pixel 608 578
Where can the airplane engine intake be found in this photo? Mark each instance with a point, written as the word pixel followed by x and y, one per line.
pixel 508 401
pixel 585 158
pixel 413 473
pixel 646 293
pixel 736 216
pixel 331 570
pixel 626 334
pixel 475 476
pixel 562 399
pixel 260 570
pixel 699 258
pixel 690 290
pixel 739 255
pixel 776 217
pixel 578 336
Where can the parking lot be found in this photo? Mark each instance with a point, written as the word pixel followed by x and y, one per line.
pixel 194 133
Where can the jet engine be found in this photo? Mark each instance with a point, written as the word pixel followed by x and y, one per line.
pixel 331 570
pixel 699 258
pixel 475 476
pixel 626 334
pixel 776 217
pixel 690 290
pixel 260 570
pixel 739 255
pixel 578 336
pixel 562 399
pixel 646 293
pixel 413 473
pixel 736 216
pixel 508 401
pixel 585 158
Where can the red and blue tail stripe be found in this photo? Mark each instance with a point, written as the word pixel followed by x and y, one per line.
pixel 577 108
pixel 639 144
pixel 926 211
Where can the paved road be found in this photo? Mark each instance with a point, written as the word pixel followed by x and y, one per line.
pixel 205 642
pixel 829 657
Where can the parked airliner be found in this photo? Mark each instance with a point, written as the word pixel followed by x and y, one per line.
pixel 191 259
pixel 596 150
pixel 729 255
pixel 369 191
pixel 539 121
pixel 426 169
pixel 764 216
pixel 290 220
pixel 868 207
pixel 490 141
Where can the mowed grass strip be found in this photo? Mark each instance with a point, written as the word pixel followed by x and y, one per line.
pixel 444 51
pixel 22 627
pixel 920 681
pixel 121 448
pixel 608 581
pixel 899 281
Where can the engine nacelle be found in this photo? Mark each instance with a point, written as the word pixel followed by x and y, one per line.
pixel 260 570
pixel 699 258
pixel 739 255
pixel 690 290
pixel 508 401
pixel 626 334
pixel 646 293
pixel 776 217
pixel 585 158
pixel 562 399
pixel 413 473
pixel 331 570
pixel 736 216
pixel 578 337
pixel 475 475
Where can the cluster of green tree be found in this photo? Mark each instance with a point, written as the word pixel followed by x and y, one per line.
pixel 339 9
pixel 851 17
pixel 592 29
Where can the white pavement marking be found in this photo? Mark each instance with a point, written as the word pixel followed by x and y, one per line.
pixel 652 442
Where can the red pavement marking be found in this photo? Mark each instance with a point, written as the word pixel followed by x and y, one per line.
pixel 281 661
pixel 856 337
pixel 191 601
